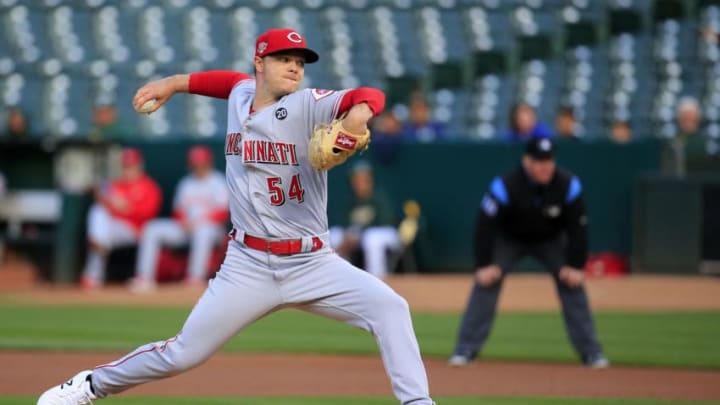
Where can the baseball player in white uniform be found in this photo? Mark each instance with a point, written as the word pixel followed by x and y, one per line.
pixel 280 255
pixel 370 224
pixel 123 206
pixel 200 214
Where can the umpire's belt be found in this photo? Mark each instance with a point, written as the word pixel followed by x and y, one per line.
pixel 280 247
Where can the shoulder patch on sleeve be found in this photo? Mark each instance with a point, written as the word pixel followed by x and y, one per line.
pixel 574 189
pixel 320 93
pixel 497 188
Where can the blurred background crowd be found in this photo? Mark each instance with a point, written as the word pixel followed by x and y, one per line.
pixel 452 69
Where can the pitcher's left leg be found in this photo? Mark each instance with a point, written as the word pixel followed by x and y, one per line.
pixel 241 293
pixel 343 292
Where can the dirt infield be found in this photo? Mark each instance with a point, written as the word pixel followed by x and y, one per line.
pixel 276 374
pixel 280 374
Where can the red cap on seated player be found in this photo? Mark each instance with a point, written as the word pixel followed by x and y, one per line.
pixel 131 157
pixel 200 155
pixel 283 39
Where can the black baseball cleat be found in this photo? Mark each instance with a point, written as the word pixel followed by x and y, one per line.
pixel 597 361
pixel 459 360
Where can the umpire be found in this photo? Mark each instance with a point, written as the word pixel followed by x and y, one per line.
pixel 538 210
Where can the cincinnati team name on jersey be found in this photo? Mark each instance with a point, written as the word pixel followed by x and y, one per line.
pixel 259 151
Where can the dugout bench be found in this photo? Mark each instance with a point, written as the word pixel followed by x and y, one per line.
pixel 28 219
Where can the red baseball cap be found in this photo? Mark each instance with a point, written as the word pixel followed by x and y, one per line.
pixel 199 155
pixel 283 39
pixel 131 157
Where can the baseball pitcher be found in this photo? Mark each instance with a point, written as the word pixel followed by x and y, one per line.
pixel 279 145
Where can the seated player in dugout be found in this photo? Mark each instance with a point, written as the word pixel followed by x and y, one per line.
pixel 199 218
pixel 535 210
pixel 370 225
pixel 122 208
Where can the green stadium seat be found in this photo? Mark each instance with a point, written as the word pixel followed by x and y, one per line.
pixel 398 89
pixel 668 9
pixel 489 62
pixel 705 3
pixel 583 32
pixel 535 47
pixel 448 75
pixel 625 20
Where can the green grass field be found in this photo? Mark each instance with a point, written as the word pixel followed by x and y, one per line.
pixel 687 340
pixel 648 339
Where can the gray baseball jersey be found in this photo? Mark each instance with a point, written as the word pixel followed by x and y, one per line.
pixel 273 194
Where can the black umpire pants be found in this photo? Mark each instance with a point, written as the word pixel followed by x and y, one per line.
pixel 481 307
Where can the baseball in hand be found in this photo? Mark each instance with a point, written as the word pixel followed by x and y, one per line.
pixel 146 107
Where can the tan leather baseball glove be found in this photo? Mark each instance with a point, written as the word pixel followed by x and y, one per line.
pixel 331 144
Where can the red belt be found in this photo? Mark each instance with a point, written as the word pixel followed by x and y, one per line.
pixel 279 247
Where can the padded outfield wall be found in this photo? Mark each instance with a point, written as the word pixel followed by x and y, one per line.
pixel 448 180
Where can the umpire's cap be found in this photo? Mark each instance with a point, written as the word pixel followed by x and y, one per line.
pixel 539 148
pixel 283 39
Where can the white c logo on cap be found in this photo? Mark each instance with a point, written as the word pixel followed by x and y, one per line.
pixel 294 37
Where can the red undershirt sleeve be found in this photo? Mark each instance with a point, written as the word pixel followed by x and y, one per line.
pixel 373 97
pixel 215 83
